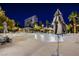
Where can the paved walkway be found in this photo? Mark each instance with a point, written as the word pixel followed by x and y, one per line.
pixel 25 44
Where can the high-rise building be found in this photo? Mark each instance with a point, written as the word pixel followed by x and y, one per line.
pixel 30 21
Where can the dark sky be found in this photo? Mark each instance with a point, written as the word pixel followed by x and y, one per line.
pixel 44 11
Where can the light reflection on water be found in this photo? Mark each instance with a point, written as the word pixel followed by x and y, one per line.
pixel 45 37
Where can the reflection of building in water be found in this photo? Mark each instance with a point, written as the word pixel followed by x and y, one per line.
pixel 58 23
pixel 30 21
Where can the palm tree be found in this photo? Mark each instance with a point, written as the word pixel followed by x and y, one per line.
pixel 17 24
pixel 68 27
pixel 77 18
pixel 47 23
pixel 72 18
pixel 40 24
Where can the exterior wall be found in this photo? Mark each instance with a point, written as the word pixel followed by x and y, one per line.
pixel 30 21
pixel 58 23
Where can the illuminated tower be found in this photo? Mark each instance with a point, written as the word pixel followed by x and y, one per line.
pixel 58 23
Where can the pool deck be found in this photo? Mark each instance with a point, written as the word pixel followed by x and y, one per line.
pixel 25 44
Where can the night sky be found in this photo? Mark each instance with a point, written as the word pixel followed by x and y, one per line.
pixel 20 12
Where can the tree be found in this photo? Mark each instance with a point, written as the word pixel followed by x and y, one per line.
pixel 72 18
pixel 40 24
pixel 36 27
pixel 17 24
pixel 2 12
pixel 77 18
pixel 3 17
pixel 11 24
pixel 68 27
pixel 47 23
pixel 1 26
